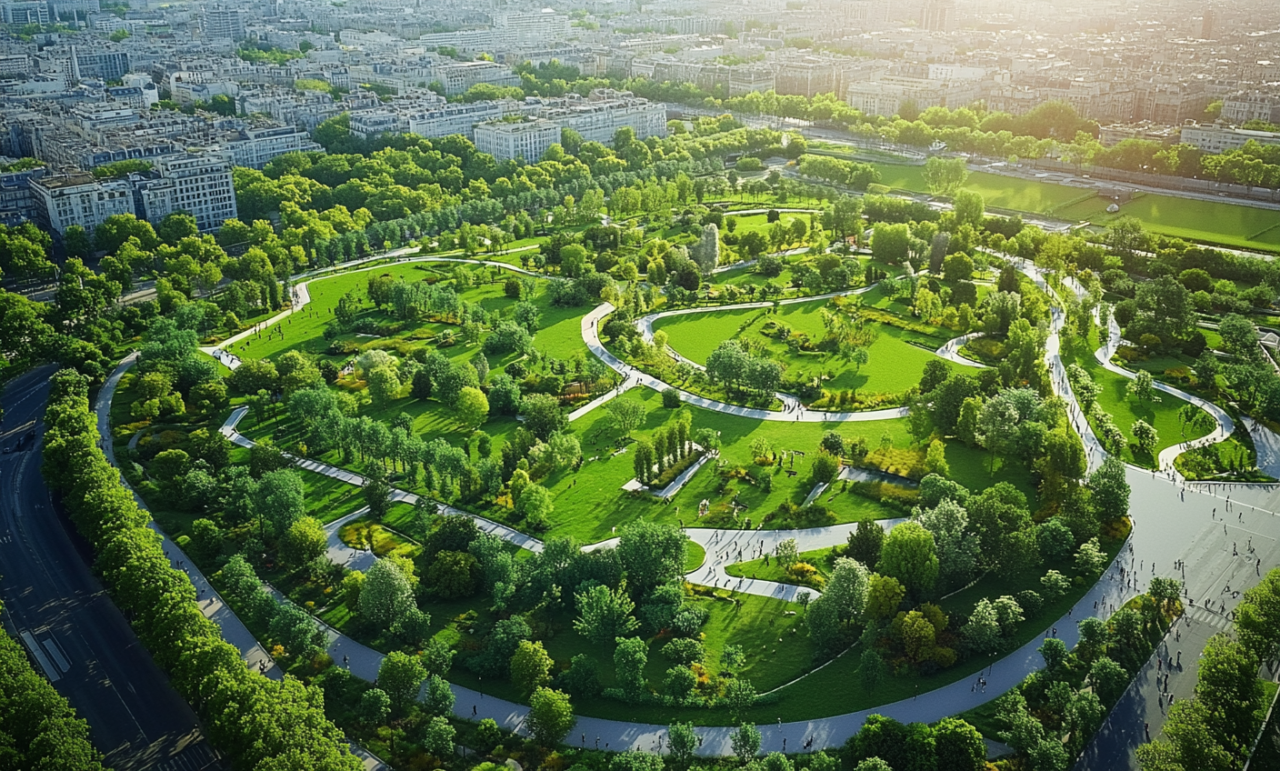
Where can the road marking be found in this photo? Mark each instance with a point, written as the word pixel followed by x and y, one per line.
pixel 49 671
pixel 56 652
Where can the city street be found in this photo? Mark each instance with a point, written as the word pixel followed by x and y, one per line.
pixel 57 609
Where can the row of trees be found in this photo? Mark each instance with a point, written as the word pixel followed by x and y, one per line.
pixel 1216 728
pixel 255 721
pixel 38 728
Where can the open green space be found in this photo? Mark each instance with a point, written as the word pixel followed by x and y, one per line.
pixel 1126 410
pixel 1215 222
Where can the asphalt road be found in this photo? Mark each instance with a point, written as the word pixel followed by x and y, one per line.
pixel 53 602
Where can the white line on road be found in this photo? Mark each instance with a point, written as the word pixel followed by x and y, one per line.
pixel 49 671
pixel 56 652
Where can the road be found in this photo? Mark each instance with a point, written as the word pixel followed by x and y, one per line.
pixel 52 600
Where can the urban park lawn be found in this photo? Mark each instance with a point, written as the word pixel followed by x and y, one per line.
pixel 1125 410
pixel 897 356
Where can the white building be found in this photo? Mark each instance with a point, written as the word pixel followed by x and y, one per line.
pixel 527 139
pixel 79 199
pixel 602 113
pixel 255 147
pixel 225 23
pixel 1219 138
pixel 199 184
pixel 888 95
pixel 459 118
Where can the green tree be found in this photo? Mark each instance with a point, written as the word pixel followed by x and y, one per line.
pixel 651 554
pixel 472 408
pixel 530 667
pixel 386 594
pixel 375 707
pixel 281 499
pixel 909 555
pixel 682 744
pixel 605 614
pixel 625 415
pixel 438 737
pixel 841 605
pixel 304 541
pixel 401 676
pixel 629 659
pixel 550 716
pixel 543 416
pixel 959 746
pixel 745 740
pixel 384 385
pixel 376 490
pixel 865 543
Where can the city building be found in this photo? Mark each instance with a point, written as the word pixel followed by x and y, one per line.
pixel 197 183
pixel 225 23
pixel 78 199
pixel 599 116
pixel 527 139
pixel 1218 138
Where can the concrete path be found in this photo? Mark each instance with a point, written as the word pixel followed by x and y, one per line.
pixel 793 411
pixel 301 296
pixel 1267 444
pixel 339 553
pixel 950 350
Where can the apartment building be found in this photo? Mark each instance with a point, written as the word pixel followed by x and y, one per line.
pixel 807 76
pixel 459 118
pixel 457 77
pixel 225 23
pixel 1244 106
pixel 78 199
pixel 255 147
pixel 527 139
pixel 599 116
pixel 1218 138
pixel 30 12
pixel 199 184
pixel 888 95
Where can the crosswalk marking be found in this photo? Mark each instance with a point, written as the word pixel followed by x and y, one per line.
pixel 37 652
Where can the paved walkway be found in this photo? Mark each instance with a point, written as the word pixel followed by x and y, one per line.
pixel 1267 444
pixel 950 350
pixel 302 295
pixel 211 604
pixel 339 553
pixel 793 410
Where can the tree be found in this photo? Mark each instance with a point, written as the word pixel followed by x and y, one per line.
pixel 281 499
pixel 1145 436
pixel 959 746
pixel 865 543
pixel 375 707
pixel 956 549
pixel 438 737
pixel 969 207
pixel 840 606
pixel 472 407
pixel 909 555
pixel 605 614
pixel 1108 679
pixel 682 743
pixel 745 740
pixel 873 764
pixel 438 696
pixel 884 595
pixel 535 506
pixel 542 415
pixel 944 176
pixel 377 490
pixel 387 594
pixel 981 633
pixel 1258 617
pixel 740 695
pixel 384 385
pixel 1230 688
pixel 1110 490
pixel 625 415
pixel 452 574
pixel 1142 388
pixel 550 716
pixel 629 659
pixel 651 554
pixel 530 667
pixel 401 676
pixel 304 541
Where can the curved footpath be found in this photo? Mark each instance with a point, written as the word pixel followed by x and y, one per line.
pixel 210 602
pixel 1169 526
pixel 302 294
pixel 794 412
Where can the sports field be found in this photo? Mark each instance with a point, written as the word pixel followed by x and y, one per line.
pixel 1228 224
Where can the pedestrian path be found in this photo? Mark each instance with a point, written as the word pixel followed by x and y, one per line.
pixel 209 601
pixel 339 553
pixel 793 410
pixel 950 350
pixel 301 295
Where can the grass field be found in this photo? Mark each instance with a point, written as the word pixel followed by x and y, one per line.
pixel 1162 415
pixel 1196 220
pixel 895 364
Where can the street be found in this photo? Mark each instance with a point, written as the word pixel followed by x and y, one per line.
pixel 60 613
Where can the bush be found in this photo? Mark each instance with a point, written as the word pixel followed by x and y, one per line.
pixel 670 398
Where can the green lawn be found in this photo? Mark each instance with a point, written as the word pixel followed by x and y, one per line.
pixel 895 364
pixel 1162 415
pixel 1216 222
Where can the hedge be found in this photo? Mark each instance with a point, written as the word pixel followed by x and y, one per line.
pixel 256 722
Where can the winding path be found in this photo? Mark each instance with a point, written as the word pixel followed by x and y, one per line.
pixel 1168 526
